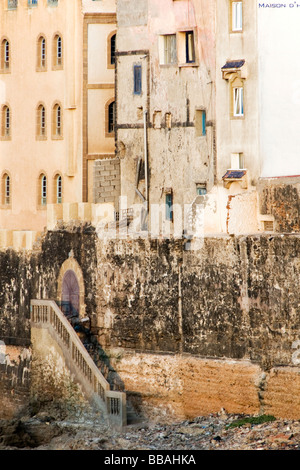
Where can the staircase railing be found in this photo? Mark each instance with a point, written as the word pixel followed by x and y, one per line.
pixel 47 314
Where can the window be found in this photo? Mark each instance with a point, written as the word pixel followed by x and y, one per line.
pixel 186 51
pixel 238 101
pixel 6 122
pixel 168 49
pixel 42 190
pixel 113 49
pixel 12 4
pixel 32 3
pixel 57 129
pixel 6 190
pixel 58 189
pixel 200 122
pixel 237 16
pixel 137 76
pixel 41 122
pixel 189 47
pixel 111 117
pixel 169 206
pixel 201 189
pixel 41 53
pixel 237 161
pixel 5 55
pixel 57 52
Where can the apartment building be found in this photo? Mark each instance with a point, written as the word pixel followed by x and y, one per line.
pixel 56 82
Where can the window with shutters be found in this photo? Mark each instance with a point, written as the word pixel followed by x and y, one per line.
pixel 42 191
pixel 6 123
pixel 5 56
pixel 41 122
pixel 6 190
pixel 168 49
pixel 186 48
pixel 41 54
pixel 57 52
pixel 57 123
pixel 58 189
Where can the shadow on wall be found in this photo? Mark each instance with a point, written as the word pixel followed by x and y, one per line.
pixel 82 326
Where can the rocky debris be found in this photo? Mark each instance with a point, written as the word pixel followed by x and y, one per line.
pixel 213 432
pixel 27 433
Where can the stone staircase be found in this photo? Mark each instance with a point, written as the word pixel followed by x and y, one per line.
pixel 76 354
pixel 102 361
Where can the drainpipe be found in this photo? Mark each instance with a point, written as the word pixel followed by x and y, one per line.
pixel 146 160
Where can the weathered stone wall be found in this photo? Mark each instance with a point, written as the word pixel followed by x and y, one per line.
pixel 180 327
pixel 190 332
pixel 14 380
pixel 279 197
pixel 15 290
pixel 234 297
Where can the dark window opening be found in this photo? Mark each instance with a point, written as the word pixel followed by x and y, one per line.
pixel 113 50
pixel 189 47
pixel 137 74
pixel 111 117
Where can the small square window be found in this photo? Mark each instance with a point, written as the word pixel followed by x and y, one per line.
pixel 137 78
pixel 201 189
pixel 237 161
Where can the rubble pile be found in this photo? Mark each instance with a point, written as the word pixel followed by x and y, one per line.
pixel 214 432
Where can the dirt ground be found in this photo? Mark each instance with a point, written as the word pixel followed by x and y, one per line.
pixel 49 430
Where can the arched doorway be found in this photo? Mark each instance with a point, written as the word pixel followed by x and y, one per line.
pixel 70 288
pixel 70 296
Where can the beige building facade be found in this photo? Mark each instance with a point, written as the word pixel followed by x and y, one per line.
pixel 55 83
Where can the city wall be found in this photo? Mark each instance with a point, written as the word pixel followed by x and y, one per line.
pixel 188 329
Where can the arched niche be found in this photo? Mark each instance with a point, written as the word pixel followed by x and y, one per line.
pixel 70 288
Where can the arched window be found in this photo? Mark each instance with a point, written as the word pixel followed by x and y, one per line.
pixel 57 51
pixel 57 128
pixel 41 53
pixel 110 117
pixel 111 50
pixel 5 55
pixel 58 189
pixel 41 122
pixel 6 190
pixel 6 122
pixel 42 189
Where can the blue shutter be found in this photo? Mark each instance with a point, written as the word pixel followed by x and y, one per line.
pixel 203 123
pixel 169 207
